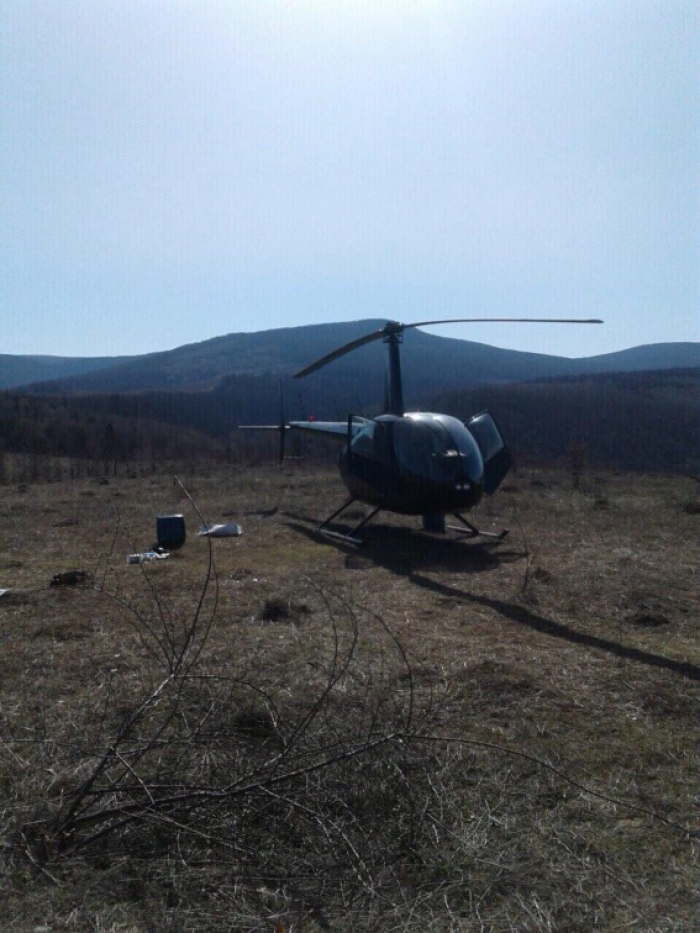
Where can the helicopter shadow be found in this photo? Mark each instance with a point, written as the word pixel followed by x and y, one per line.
pixel 519 614
pixel 412 554
pixel 405 551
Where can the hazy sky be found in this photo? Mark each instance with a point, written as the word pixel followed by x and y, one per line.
pixel 173 171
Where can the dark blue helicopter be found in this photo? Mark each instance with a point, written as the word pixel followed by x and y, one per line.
pixel 413 463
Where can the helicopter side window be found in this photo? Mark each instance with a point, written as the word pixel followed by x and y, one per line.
pixel 487 435
pixel 496 455
pixel 382 443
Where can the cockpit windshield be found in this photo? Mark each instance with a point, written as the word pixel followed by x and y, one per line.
pixel 437 448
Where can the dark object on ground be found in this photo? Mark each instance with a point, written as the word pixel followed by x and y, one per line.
pixel 70 578
pixel 170 532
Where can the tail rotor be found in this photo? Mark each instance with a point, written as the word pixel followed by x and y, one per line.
pixel 282 426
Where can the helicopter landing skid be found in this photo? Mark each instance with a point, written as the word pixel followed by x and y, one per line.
pixel 473 532
pixel 350 536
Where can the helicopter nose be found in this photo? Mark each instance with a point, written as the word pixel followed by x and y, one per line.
pixel 470 486
pixel 472 471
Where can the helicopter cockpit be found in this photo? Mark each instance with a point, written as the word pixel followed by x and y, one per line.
pixel 428 447
pixel 437 448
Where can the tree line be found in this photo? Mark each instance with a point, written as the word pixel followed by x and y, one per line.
pixel 630 421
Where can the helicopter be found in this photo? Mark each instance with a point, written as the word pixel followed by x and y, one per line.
pixel 416 462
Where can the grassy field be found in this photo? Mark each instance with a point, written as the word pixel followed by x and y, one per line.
pixel 279 732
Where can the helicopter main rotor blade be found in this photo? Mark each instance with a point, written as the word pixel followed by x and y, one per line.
pixel 506 320
pixel 394 327
pixel 341 351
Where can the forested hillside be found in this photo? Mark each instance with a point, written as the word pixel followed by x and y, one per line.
pixel 636 421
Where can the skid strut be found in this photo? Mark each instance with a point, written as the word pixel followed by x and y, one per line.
pixel 350 537
pixel 472 531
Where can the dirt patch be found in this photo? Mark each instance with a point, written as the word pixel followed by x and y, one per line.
pixel 280 609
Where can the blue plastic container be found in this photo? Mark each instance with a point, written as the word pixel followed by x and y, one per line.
pixel 170 532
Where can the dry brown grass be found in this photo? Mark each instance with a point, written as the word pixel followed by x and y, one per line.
pixel 546 688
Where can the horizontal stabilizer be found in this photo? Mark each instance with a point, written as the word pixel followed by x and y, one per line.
pixel 335 430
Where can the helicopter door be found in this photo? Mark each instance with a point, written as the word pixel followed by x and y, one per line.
pixel 493 450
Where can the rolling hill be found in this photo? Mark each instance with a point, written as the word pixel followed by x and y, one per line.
pixel 432 363
pixel 17 371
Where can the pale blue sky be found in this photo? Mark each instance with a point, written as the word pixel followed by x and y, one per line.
pixel 173 171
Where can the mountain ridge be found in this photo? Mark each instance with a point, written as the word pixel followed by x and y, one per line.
pixel 432 362
pixel 17 370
